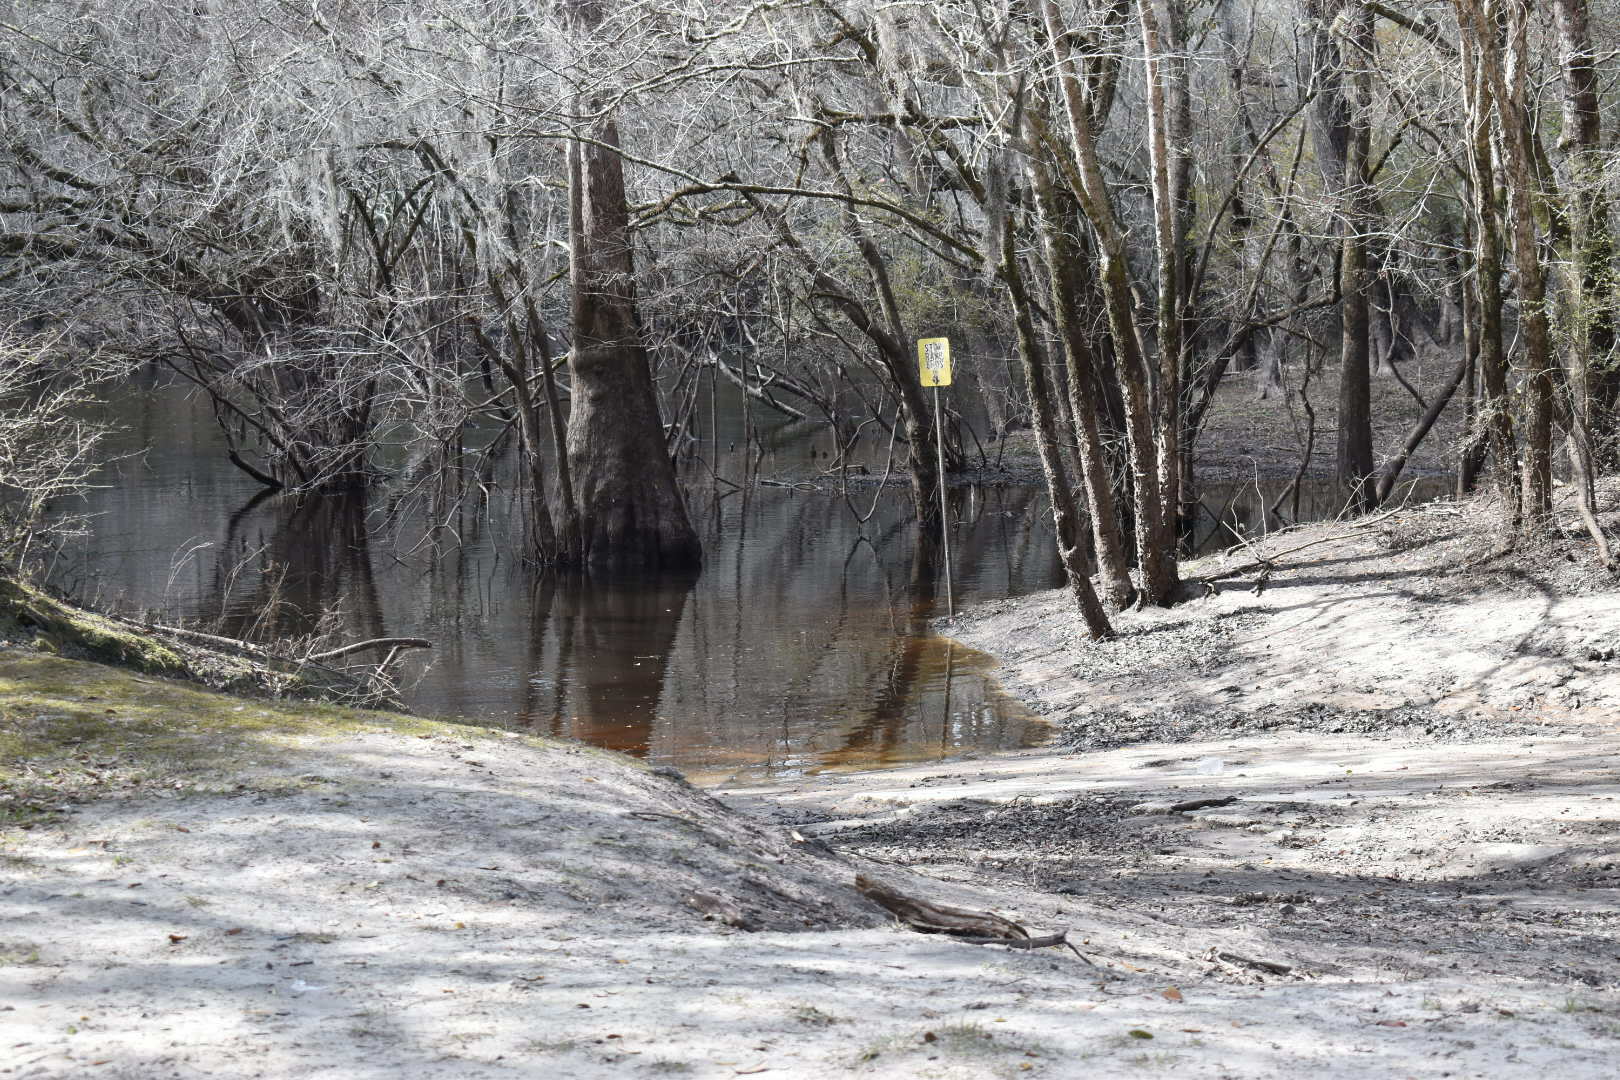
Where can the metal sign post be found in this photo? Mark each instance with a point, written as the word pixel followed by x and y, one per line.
pixel 934 368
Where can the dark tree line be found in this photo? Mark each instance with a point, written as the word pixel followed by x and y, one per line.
pixel 554 221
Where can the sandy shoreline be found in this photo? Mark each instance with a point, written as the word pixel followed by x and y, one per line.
pixel 1400 859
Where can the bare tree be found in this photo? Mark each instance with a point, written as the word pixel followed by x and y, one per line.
pixel 48 450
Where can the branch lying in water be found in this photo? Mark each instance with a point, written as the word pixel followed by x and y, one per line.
pixel 391 643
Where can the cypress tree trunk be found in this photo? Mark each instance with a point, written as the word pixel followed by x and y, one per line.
pixel 630 509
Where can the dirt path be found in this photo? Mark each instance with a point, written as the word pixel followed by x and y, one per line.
pixel 1395 854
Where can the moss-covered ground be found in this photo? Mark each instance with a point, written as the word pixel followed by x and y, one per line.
pixel 74 731
pixel 26 614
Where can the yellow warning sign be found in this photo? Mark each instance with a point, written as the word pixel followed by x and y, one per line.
pixel 934 360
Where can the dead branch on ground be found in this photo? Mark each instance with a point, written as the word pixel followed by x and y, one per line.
pixel 1232 962
pixel 972 927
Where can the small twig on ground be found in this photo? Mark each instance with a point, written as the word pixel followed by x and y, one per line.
pixel 1217 955
pixel 1049 941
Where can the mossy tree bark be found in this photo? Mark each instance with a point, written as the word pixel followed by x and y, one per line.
pixel 1501 55
pixel 1064 267
pixel 1065 514
pixel 1083 171
pixel 1593 373
pixel 1495 412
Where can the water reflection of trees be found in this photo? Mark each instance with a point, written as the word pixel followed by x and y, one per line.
pixel 815 645
pixel 804 640
pixel 879 731
pixel 291 567
pixel 607 640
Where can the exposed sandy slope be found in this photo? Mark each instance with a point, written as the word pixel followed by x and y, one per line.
pixel 1378 621
pixel 561 944
pixel 1416 746
pixel 384 904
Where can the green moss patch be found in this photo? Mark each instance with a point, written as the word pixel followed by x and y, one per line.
pixel 29 615
pixel 73 731
pixel 18 954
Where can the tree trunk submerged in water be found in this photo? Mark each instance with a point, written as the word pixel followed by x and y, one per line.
pixel 630 510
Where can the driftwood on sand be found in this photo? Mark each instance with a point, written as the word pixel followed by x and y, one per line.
pixel 973 927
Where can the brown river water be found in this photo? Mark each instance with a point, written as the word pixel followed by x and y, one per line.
pixel 803 645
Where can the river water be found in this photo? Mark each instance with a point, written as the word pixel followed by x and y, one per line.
pixel 803 644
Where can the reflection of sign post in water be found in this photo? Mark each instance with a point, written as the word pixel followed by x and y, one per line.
pixel 934 368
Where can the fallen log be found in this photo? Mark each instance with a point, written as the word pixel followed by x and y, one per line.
pixel 201 638
pixel 964 924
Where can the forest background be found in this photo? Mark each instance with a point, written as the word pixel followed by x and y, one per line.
pixel 362 229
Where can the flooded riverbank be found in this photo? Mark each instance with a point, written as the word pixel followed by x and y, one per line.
pixel 804 642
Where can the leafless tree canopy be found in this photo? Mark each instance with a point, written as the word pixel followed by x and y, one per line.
pixel 358 222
